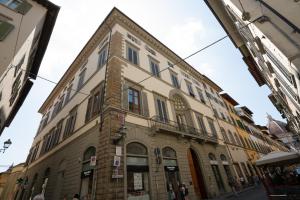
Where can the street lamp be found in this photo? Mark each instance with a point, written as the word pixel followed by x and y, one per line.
pixel 7 143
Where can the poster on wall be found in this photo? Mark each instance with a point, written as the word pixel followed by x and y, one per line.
pixel 138 181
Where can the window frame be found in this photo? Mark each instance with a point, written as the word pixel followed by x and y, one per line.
pixel 133 49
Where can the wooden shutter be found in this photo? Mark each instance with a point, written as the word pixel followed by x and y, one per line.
pixel 125 96
pixel 24 7
pixel 5 29
pixel 88 109
pixel 145 109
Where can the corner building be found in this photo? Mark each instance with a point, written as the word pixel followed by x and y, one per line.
pixel 148 136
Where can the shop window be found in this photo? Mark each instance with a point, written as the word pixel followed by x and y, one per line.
pixel 87 174
pixel 171 170
pixel 216 171
pixel 138 186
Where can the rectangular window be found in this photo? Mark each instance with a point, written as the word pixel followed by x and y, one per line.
pixel 154 68
pixel 15 89
pixel 216 113
pixel 5 29
pixel 94 103
pixel 134 100
pixel 68 95
pixel 161 109
pixel 18 66
pixel 201 124
pixel 201 97
pixel 132 55
pixel 81 79
pixel 102 57
pixel 20 6
pixel 212 127
pixel 70 124
pixel 190 89
pixel 175 80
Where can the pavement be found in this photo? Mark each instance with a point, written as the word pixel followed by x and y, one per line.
pixel 251 193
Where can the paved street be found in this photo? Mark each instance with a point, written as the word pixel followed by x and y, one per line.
pixel 256 193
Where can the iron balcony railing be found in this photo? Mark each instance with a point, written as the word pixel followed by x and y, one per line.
pixel 162 124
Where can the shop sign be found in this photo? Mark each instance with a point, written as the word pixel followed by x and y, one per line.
pixel 117 161
pixel 118 150
pixel 87 173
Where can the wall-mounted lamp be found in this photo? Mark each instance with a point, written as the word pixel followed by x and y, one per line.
pixel 6 144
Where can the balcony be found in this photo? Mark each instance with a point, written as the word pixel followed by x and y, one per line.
pixel 171 127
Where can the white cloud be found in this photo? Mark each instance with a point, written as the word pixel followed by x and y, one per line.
pixel 183 38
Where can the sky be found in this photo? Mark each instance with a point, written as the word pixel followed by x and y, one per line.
pixel 183 26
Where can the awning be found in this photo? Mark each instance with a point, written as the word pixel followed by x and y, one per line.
pixel 279 157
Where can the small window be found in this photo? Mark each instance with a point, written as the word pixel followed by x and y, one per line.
pixel 81 79
pixel 68 95
pixel 70 124
pixel 201 124
pixel 18 66
pixel 5 29
pixel 134 100
pixel 102 57
pixel 190 89
pixel 212 156
pixel 132 55
pixel 201 97
pixel 223 157
pixel 162 110
pixel 154 68
pixel 94 103
pixel 174 79
pixel 212 127
pixel 21 6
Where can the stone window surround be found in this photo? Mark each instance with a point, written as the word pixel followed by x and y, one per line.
pixel 134 47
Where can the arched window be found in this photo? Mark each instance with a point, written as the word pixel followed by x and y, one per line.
pixel 223 157
pixel 137 171
pixel 169 156
pixel 87 173
pixel 179 103
pixel 212 156
pixel 135 148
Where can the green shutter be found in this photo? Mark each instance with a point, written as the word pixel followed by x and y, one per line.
pixel 23 8
pixel 5 29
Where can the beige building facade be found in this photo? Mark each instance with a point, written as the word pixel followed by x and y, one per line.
pixel 25 30
pixel 129 119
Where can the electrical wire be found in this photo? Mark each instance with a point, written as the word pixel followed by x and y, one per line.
pixel 152 75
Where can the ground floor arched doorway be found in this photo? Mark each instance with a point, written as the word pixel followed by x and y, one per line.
pixel 197 176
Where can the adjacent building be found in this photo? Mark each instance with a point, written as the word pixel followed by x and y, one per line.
pixel 278 129
pixel 10 180
pixel 25 30
pixel 267 33
pixel 130 119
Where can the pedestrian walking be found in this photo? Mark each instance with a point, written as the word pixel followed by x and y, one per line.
pixel 76 197
pixel 183 192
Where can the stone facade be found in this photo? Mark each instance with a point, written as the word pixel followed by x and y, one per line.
pixel 144 147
